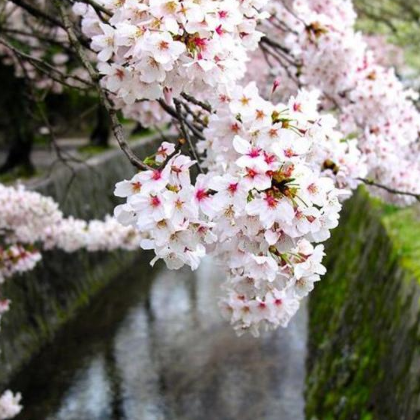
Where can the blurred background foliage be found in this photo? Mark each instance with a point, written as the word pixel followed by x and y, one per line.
pixel 398 20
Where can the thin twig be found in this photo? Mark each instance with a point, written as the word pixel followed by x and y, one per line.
pixel 197 131
pixel 34 99
pixel 36 35
pixel 39 64
pixel 117 128
pixel 98 7
pixel 195 116
pixel 34 11
pixel 195 101
pixel 186 134
pixel 389 189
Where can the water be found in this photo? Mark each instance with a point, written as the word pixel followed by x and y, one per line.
pixel 153 346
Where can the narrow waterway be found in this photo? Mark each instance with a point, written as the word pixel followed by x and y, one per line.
pixel 153 346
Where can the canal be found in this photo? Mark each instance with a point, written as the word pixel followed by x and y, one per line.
pixel 153 346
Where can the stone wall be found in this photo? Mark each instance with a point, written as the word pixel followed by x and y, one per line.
pixel 46 298
pixel 364 340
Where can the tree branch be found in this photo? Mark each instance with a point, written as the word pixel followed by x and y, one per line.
pixel 34 11
pixel 185 133
pixel 194 101
pixel 98 7
pixel 45 67
pixel 372 183
pixel 115 123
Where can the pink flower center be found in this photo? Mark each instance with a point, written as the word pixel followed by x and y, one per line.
pixel 200 42
pixel 235 128
pixel 120 74
pixel 201 194
pixel 297 107
pixel 162 151
pixel 254 152
pixel 271 201
pixel 251 173
pixel 269 158
pixel 154 201
pixel 233 188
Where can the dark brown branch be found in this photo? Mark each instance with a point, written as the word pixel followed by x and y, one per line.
pixel 194 101
pixel 186 134
pixel 98 7
pixel 173 113
pixel 372 183
pixel 282 51
pixel 53 141
pixel 34 11
pixel 195 116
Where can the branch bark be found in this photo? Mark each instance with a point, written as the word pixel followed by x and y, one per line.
pixel 372 183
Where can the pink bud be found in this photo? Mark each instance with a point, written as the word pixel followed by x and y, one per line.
pixel 167 93
pixel 276 84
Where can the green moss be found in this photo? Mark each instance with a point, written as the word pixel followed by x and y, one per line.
pixel 146 132
pixel 91 150
pixel 364 315
pixel 20 172
pixel 403 227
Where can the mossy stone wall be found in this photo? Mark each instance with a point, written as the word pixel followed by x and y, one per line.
pixel 44 299
pixel 364 342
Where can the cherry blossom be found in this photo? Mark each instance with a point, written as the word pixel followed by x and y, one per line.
pixel 326 53
pixel 176 46
pixel 31 222
pixel 268 194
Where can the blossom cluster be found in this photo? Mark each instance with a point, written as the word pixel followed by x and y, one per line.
pixel 268 198
pixel 16 259
pixel 153 47
pixel 372 103
pixel 167 210
pixel 385 54
pixel 29 218
pixel 277 198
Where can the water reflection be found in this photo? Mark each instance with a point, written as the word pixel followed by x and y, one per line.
pixel 153 347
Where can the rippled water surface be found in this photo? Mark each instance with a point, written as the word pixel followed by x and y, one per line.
pixel 153 346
